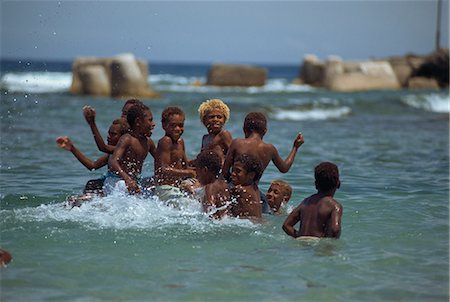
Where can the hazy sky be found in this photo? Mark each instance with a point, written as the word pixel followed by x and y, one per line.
pixel 216 31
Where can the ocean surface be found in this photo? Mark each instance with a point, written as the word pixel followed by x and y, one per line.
pixel 392 149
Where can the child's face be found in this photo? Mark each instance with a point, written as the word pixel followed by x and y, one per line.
pixel 146 123
pixel 174 127
pixel 275 195
pixel 114 135
pixel 240 176
pixel 214 121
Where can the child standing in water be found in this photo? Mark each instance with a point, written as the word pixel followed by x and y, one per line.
pixel 171 161
pixel 214 114
pixel 319 214
pixel 89 114
pixel 214 189
pixel 116 130
pixel 247 171
pixel 129 155
pixel 255 127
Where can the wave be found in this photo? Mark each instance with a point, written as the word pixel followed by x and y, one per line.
pixel 55 82
pixel 36 82
pixel 310 114
pixel 122 211
pixel 434 102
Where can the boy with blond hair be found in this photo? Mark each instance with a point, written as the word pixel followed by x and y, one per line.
pixel 214 114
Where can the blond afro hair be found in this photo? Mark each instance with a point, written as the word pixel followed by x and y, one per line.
pixel 210 105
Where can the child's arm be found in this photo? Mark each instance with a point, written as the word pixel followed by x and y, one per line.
pixel 226 138
pixel 65 143
pixel 335 221
pixel 165 162
pixel 284 165
pixel 291 220
pixel 229 159
pixel 151 147
pixel 119 151
pixel 89 115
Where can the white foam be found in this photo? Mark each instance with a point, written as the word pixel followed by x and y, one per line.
pixel 168 82
pixel 122 211
pixel 51 82
pixel 431 102
pixel 36 82
pixel 312 114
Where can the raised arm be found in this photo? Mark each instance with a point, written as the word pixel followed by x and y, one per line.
pixel 89 115
pixel 114 164
pixel 65 143
pixel 291 221
pixel 284 165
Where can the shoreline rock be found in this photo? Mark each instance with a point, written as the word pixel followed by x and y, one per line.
pixel 121 76
pixel 407 72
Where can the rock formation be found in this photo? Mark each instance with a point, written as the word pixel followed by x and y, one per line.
pixel 122 76
pixel 410 71
pixel 236 75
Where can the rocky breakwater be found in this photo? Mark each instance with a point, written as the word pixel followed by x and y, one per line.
pixel 410 71
pixel 121 76
pixel 236 75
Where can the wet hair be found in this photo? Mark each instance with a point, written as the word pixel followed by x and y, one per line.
pixel 327 176
pixel 124 127
pixel 168 112
pixel 210 160
pixel 286 188
pixel 136 111
pixel 255 122
pixel 214 104
pixel 132 102
pixel 251 164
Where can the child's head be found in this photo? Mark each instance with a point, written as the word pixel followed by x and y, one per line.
pixel 140 118
pixel 247 169
pixel 172 119
pixel 128 104
pixel 279 193
pixel 214 114
pixel 327 177
pixel 255 122
pixel 207 166
pixel 118 128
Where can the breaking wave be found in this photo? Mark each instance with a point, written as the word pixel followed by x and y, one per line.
pixel 435 102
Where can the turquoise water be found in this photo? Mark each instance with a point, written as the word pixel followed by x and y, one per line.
pixel 392 149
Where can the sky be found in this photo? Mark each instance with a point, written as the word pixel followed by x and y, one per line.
pixel 280 32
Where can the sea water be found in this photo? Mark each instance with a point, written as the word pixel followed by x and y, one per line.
pixel 392 149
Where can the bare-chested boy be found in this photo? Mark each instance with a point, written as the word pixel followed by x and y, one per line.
pixel 116 130
pixel 213 193
pixel 247 171
pixel 278 195
pixel 170 160
pixel 132 149
pixel 214 114
pixel 255 127
pixel 89 114
pixel 319 214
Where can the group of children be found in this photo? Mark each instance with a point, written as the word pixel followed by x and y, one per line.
pixel 224 177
